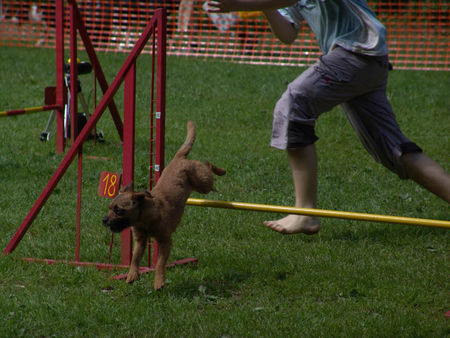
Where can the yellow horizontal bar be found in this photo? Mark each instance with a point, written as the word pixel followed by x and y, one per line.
pixel 22 111
pixel 34 110
pixel 29 110
pixel 319 213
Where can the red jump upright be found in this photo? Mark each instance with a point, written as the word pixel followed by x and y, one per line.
pixel 127 75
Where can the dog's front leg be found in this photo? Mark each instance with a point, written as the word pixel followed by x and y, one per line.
pixel 140 242
pixel 163 256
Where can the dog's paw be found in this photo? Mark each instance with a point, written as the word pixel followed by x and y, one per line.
pixel 159 284
pixel 132 277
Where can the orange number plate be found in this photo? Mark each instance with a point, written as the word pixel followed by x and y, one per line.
pixel 109 184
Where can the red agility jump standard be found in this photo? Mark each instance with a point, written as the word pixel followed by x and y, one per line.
pixel 126 75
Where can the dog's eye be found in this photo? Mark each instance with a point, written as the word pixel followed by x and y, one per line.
pixel 118 211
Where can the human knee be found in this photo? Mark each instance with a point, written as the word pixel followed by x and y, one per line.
pixel 294 121
pixel 300 135
pixel 398 160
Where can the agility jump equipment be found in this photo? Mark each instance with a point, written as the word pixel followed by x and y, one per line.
pixel 30 110
pixel 418 31
pixel 127 75
pixel 60 96
pixel 156 28
pixel 319 213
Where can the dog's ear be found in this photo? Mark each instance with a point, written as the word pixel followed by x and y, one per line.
pixel 139 197
pixel 128 188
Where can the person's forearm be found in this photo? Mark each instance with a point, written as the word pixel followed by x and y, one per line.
pixel 248 5
pixel 281 28
pixel 266 4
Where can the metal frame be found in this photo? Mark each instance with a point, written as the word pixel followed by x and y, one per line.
pixel 126 75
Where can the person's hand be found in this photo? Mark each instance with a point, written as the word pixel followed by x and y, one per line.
pixel 222 6
pixel 225 6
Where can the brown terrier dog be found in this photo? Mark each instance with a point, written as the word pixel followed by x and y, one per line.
pixel 158 213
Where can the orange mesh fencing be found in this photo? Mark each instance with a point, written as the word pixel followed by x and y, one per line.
pixel 418 31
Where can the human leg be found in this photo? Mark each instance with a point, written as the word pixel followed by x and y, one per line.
pixel 372 118
pixel 428 173
pixel 184 15
pixel 317 90
pixel 303 162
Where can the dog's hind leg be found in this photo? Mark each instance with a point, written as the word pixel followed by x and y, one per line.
pixel 201 176
pixel 216 170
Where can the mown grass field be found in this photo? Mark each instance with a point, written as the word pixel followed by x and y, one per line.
pixel 352 279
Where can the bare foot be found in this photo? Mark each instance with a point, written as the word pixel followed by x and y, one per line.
pixel 294 224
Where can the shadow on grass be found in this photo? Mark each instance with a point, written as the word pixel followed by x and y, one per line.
pixel 386 234
pixel 222 286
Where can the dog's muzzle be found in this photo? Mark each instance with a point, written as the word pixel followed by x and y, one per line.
pixel 117 225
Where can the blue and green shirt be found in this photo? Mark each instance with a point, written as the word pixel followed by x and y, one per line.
pixel 350 24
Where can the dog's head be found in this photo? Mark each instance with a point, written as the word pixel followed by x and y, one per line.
pixel 125 209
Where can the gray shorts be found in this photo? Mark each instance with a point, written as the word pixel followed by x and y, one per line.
pixel 358 84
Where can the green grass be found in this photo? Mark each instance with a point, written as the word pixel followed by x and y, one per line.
pixel 352 279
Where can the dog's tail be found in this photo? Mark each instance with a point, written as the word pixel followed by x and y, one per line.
pixel 188 142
